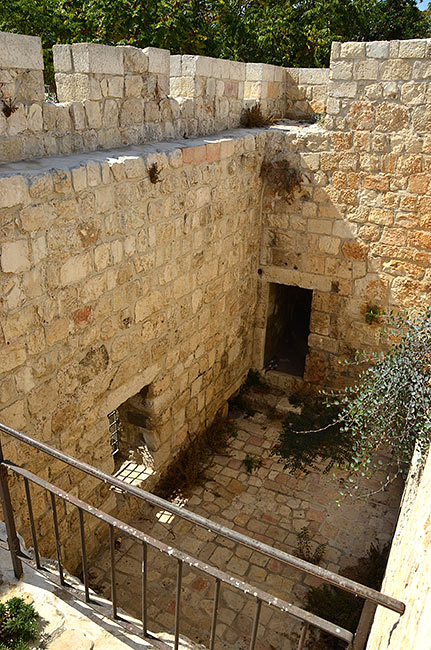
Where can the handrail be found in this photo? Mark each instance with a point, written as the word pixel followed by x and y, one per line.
pixel 222 576
pixel 323 574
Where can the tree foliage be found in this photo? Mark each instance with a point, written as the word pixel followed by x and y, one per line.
pixel 282 32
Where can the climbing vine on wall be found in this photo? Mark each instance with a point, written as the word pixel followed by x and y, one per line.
pixel 389 406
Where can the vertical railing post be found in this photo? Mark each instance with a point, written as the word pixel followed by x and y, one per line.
pixel 303 636
pixel 364 625
pixel 12 537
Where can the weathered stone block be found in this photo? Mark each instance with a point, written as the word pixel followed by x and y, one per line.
pixel 132 112
pixel 259 72
pixel 342 89
pixel 19 51
pixel 412 49
pixel 97 59
pixel 391 117
pixel 75 269
pixel 13 191
pixel 94 362
pixel 396 69
pixel 134 60
pixel 15 256
pixel 377 49
pixel 158 60
pixel 352 50
pixel 341 70
pixel 366 70
pixel 93 113
pixel 62 58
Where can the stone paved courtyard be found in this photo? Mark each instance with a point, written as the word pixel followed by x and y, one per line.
pixel 269 505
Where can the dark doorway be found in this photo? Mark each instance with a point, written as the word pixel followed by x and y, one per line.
pixel 287 328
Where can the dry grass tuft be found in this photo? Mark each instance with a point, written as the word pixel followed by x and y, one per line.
pixel 281 177
pixel 189 465
pixel 253 117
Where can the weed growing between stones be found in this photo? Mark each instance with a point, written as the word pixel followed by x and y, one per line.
pixel 154 173
pixel 252 463
pixel 189 465
pixel 253 118
pixel 304 548
pixel 9 106
pixel 372 314
pixel 18 623
pixel 240 403
pixel 343 608
pixel 281 177
pixel 313 435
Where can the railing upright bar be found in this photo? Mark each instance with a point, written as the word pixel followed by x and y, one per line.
pixel 113 579
pixel 57 538
pixel 364 626
pixel 84 555
pixel 303 636
pixel 178 604
pixel 255 624
pixel 215 611
pixel 12 537
pixel 144 589
pixel 32 526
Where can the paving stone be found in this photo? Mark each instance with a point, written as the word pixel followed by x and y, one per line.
pixel 269 505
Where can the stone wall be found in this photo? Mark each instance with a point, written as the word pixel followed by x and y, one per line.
pixel 307 92
pixel 408 572
pixel 150 267
pixel 115 96
pixel 357 232
pixel 111 283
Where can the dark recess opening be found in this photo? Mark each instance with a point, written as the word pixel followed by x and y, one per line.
pixel 287 328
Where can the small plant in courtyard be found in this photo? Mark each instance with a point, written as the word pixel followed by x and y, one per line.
pixel 254 378
pixel 389 406
pixel 387 409
pixel 341 607
pixel 372 314
pixel 18 623
pixel 304 548
pixel 252 463
pixel 240 403
pixel 312 436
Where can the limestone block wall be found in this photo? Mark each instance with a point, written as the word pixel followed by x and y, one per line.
pixel 213 89
pixel 357 232
pixel 115 96
pixel 307 92
pixel 408 573
pixel 111 283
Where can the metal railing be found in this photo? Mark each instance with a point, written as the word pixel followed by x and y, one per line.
pixel 356 641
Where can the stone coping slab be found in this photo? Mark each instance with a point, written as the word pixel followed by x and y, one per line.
pixel 42 165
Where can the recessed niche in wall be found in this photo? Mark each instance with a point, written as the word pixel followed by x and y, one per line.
pixel 287 328
pixel 132 439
